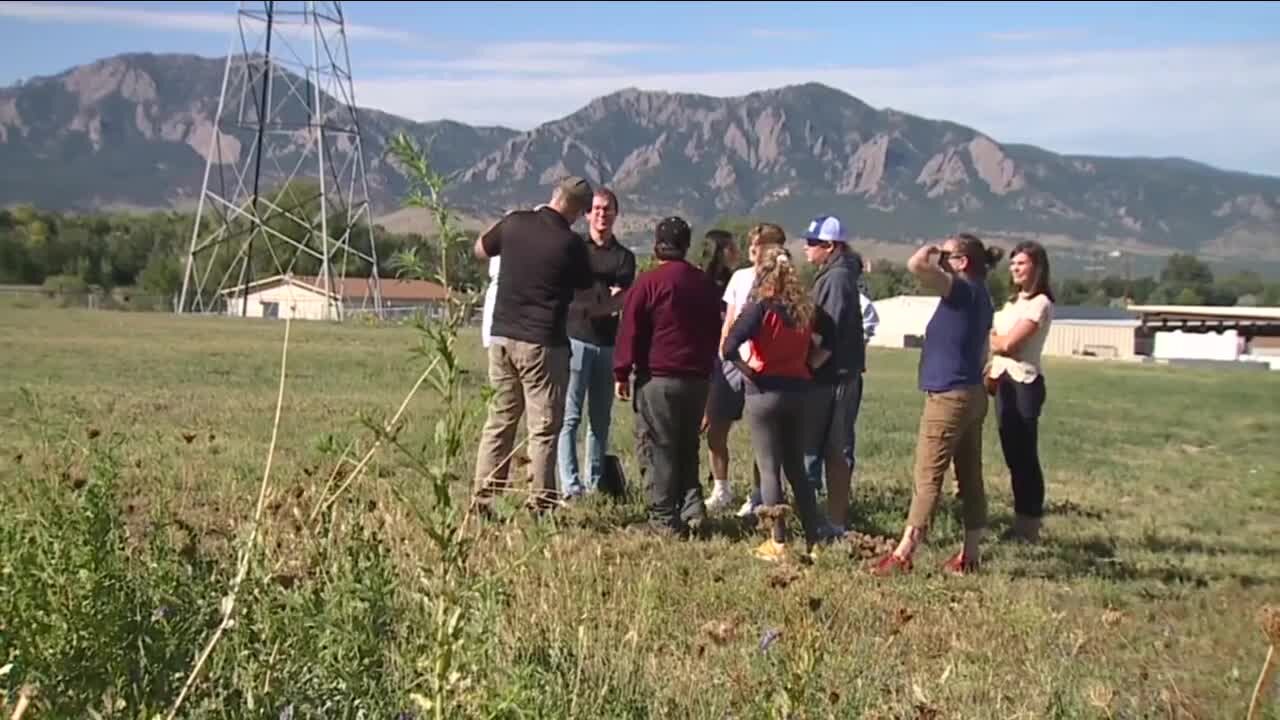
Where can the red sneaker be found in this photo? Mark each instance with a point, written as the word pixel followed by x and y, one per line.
pixel 890 563
pixel 961 565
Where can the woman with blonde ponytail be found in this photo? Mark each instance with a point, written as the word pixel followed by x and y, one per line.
pixel 777 325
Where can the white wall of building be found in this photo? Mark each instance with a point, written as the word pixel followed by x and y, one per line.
pixel 1093 338
pixel 1179 345
pixel 902 316
pixel 283 301
pixel 907 316
pixel 903 320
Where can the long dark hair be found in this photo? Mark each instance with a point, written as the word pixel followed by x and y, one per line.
pixel 1039 284
pixel 714 264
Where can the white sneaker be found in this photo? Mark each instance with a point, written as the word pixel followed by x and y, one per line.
pixel 748 508
pixel 721 498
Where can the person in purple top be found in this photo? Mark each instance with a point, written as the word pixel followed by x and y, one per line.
pixel 951 376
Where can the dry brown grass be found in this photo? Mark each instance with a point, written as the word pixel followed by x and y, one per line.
pixel 1140 602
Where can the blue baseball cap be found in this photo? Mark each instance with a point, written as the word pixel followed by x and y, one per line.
pixel 825 228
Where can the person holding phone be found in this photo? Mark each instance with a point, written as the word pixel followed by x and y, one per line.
pixel 955 403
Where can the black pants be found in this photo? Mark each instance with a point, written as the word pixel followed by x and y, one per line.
pixel 1018 415
pixel 777 423
pixel 669 444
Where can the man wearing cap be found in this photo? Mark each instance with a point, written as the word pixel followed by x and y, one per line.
pixel 529 343
pixel 668 336
pixel 837 390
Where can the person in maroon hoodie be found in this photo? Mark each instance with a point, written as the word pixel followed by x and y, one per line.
pixel 667 340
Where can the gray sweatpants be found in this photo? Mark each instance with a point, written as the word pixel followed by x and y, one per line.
pixel 777 424
pixel 668 416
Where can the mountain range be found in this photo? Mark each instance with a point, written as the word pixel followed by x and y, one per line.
pixel 132 131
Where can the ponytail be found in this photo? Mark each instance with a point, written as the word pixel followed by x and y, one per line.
pixel 981 258
pixel 994 255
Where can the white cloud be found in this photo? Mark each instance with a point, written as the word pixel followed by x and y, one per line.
pixel 1215 104
pixel 567 58
pixel 1022 36
pixel 797 34
pixel 164 20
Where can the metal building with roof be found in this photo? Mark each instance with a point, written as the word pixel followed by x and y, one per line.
pixel 304 297
pixel 1136 332
pixel 1076 330
pixel 1212 333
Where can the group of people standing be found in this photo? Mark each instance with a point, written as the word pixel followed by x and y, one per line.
pixel 569 324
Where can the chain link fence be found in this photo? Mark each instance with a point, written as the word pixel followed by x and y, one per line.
pixel 35 296
pixel 118 300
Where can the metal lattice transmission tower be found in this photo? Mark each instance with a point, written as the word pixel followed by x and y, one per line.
pixel 284 188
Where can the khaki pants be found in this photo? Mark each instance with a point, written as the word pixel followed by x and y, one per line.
pixel 951 432
pixel 525 378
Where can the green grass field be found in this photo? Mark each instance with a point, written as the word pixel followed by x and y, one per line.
pixel 134 445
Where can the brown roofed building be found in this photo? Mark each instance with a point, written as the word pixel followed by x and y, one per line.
pixel 304 297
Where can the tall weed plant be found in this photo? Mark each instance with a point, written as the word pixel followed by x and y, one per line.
pixel 342 610
pixel 454 596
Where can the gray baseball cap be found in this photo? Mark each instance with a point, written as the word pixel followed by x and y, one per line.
pixel 576 189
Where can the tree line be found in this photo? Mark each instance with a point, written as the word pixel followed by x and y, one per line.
pixel 146 253
pixel 72 253
pixel 1184 280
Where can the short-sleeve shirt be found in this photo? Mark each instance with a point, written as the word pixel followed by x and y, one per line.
pixel 1024 365
pixel 957 338
pixel 737 294
pixel 544 262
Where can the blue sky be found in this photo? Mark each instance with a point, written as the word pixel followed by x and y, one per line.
pixel 1108 78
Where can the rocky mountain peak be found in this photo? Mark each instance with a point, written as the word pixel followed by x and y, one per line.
pixel 132 129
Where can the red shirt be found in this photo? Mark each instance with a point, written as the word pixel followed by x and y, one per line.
pixel 670 324
pixel 779 348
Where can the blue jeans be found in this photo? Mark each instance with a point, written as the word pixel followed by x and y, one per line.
pixel 590 381
pixel 832 416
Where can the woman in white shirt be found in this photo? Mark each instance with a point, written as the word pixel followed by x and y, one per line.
pixel 726 400
pixel 1018 335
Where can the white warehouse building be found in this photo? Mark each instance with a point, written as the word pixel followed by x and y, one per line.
pixel 1076 331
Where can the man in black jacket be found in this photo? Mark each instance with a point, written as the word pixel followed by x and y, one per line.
pixel 593 328
pixel 833 404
